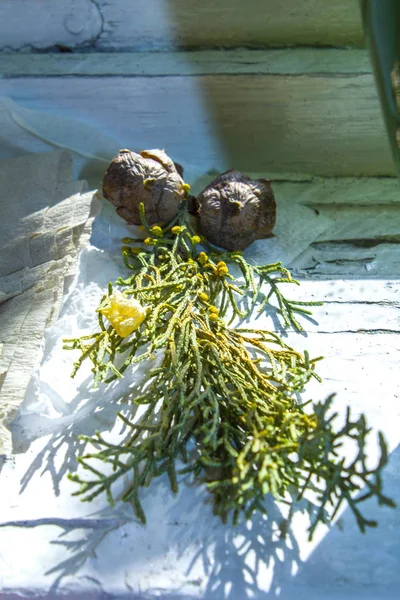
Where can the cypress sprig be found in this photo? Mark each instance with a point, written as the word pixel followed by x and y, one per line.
pixel 224 401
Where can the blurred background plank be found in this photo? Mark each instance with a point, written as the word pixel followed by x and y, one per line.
pixel 293 61
pixel 164 24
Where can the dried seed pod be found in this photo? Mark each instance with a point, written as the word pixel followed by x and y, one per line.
pixel 235 210
pixel 150 177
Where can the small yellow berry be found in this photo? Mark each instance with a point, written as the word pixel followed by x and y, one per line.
pixel 156 230
pixel 149 241
pixel 202 258
pixel 186 188
pixel 203 296
pixel 222 269
pixel 177 229
pixel 190 261
pixel 214 310
pixel 195 239
pixel 213 316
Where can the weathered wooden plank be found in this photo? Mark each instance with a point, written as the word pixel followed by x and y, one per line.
pixel 360 368
pixel 274 61
pixel 39 24
pixel 362 226
pixel 354 317
pixel 345 261
pixel 362 291
pixel 325 194
pixel 329 126
pixel 31 25
pixel 188 23
pixel 363 242
pixel 325 125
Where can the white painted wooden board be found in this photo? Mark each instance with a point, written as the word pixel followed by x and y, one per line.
pixel 35 25
pixel 300 112
pixel 363 242
pixel 31 25
pixel 184 552
pixel 274 61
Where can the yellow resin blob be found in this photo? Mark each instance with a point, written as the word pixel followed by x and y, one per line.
pixel 125 314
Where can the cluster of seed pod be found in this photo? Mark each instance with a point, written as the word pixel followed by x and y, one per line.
pixel 231 212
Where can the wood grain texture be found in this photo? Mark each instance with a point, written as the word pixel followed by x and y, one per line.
pixel 362 243
pixel 32 25
pixel 324 125
pixel 274 61
pixel 321 125
pixel 343 192
pixel 154 24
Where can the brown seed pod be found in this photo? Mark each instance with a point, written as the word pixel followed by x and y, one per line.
pixel 150 177
pixel 235 210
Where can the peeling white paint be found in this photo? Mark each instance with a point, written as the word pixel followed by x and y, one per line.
pixel 36 25
pixel 167 24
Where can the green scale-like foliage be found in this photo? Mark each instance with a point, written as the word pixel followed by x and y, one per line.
pixel 225 399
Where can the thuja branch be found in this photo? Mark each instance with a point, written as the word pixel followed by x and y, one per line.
pixel 224 401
